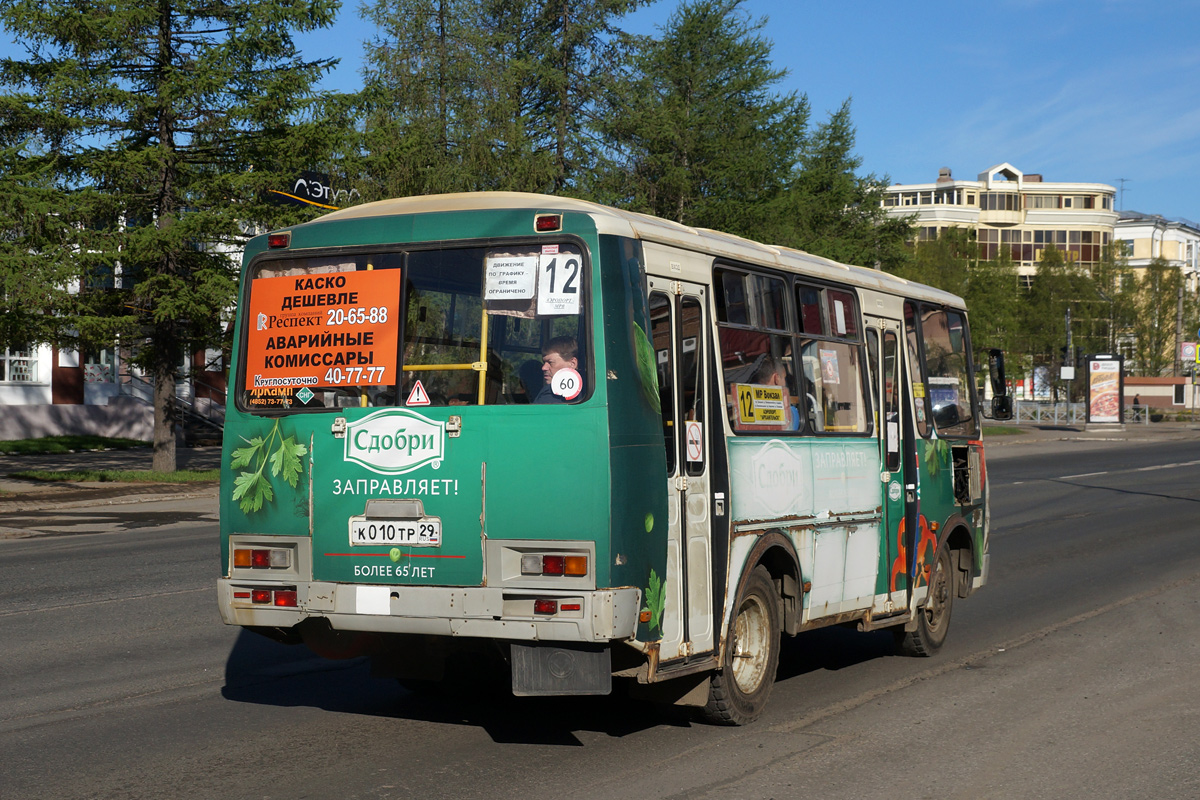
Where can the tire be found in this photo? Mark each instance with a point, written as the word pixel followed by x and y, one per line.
pixel 933 621
pixel 738 691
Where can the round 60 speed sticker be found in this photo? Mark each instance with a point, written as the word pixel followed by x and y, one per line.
pixel 566 383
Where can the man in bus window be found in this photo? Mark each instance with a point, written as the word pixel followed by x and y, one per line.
pixel 561 352
pixel 772 372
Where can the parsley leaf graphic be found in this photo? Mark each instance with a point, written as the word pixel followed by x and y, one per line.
pixel 286 460
pixel 251 488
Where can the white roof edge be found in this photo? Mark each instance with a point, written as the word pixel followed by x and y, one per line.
pixel 1026 186
pixel 644 226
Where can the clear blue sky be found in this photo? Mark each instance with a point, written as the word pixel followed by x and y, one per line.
pixel 1076 90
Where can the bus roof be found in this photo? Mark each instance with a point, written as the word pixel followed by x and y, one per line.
pixel 652 229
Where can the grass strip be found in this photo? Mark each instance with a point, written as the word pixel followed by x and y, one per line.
pixel 1002 430
pixel 50 445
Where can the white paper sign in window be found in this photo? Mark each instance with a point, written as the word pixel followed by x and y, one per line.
pixel 839 314
pixel 559 278
pixel 510 277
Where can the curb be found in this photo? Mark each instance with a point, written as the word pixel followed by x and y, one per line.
pixel 82 497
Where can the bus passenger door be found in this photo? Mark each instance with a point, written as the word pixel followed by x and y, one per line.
pixel 677 312
pixel 886 354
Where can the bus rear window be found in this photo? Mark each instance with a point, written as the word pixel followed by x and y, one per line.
pixel 465 326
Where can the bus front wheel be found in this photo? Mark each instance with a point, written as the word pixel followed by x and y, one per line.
pixel 738 692
pixel 933 621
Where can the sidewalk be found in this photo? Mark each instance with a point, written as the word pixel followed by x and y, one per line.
pixel 1152 432
pixel 18 494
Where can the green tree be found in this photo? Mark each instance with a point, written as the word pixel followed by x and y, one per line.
pixel 1116 293
pixel 35 252
pixel 946 262
pixel 951 263
pixel 577 47
pixel 1158 288
pixel 839 214
pixel 993 296
pixel 166 122
pixel 421 97
pixel 1058 285
pixel 698 133
pixel 464 95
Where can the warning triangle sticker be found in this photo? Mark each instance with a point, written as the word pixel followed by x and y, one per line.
pixel 417 397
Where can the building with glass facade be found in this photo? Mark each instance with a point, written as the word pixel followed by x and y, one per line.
pixel 1014 211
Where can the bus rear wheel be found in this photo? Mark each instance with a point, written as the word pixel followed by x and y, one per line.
pixel 933 621
pixel 738 692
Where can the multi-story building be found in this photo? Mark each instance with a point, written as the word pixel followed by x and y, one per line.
pixel 1012 210
pixel 1150 236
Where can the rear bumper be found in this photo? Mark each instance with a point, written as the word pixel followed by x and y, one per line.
pixel 482 612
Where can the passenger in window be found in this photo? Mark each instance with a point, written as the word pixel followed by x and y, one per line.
pixel 560 353
pixel 772 372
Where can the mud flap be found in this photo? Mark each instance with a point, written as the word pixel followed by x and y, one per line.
pixel 544 669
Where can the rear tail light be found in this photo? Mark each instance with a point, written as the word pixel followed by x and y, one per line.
pixel 277 240
pixel 262 558
pixel 544 564
pixel 283 598
pixel 545 606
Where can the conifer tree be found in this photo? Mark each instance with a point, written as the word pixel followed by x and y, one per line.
pixel 839 214
pixel 151 131
pixel 464 95
pixel 698 133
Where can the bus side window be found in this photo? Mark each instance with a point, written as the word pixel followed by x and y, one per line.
pixel 872 369
pixel 915 373
pixel 662 340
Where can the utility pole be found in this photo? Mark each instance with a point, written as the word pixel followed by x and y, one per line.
pixel 1179 329
pixel 1070 360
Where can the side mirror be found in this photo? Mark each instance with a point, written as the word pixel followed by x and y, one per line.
pixel 996 370
pixel 1002 408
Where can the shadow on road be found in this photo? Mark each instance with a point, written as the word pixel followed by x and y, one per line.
pixel 261 671
pixel 75 523
pixel 831 648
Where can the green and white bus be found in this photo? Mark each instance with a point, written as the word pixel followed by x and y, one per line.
pixel 594 443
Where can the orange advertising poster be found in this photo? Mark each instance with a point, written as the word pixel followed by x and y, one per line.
pixel 1104 391
pixel 330 329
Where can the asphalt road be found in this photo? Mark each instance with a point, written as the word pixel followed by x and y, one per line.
pixel 1073 675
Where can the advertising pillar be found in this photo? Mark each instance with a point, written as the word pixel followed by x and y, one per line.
pixel 1105 390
